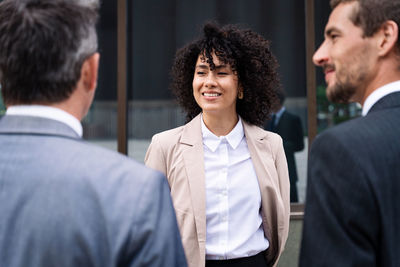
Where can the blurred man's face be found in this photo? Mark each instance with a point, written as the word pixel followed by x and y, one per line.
pixel 345 56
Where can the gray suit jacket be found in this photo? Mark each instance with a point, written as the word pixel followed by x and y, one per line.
pixel 67 203
pixel 352 215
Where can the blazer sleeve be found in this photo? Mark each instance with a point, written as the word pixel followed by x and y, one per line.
pixel 155 156
pixel 341 218
pixel 284 188
pixel 283 178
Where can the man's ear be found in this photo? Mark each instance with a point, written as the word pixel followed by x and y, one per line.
pixel 89 71
pixel 388 36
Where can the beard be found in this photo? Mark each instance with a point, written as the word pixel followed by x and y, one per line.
pixel 348 83
pixel 340 92
pixel 352 75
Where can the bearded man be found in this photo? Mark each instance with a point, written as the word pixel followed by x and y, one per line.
pixel 352 214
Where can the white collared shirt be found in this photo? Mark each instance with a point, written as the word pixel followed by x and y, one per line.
pixel 47 112
pixel 233 198
pixel 379 93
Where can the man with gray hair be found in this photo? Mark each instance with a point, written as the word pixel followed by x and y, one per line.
pixel 65 202
pixel 352 214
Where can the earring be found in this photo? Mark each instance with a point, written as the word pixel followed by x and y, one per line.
pixel 240 94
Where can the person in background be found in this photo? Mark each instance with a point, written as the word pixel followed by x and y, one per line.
pixel 228 177
pixel 352 213
pixel 289 127
pixel 65 202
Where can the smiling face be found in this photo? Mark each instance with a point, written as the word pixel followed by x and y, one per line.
pixel 346 57
pixel 215 91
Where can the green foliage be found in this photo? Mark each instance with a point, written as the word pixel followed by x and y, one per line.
pixel 2 107
pixel 330 114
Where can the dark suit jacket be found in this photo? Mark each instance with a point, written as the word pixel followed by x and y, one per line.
pixel 290 129
pixel 67 203
pixel 352 215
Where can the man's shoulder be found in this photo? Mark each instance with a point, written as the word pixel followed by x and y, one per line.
pixel 104 159
pixel 73 157
pixel 345 132
pixel 361 134
pixel 376 123
pixel 81 164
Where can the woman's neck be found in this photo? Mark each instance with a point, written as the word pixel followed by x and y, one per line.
pixel 220 125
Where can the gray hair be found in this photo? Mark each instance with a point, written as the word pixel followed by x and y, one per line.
pixel 41 52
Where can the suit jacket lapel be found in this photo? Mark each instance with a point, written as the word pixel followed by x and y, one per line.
pixel 14 124
pixel 193 157
pixel 389 101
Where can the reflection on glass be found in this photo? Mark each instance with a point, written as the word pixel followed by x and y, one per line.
pixel 156 29
pixel 296 150
pixel 330 114
pixel 288 125
pixel 2 107
pixel 100 124
pixel 146 118
pixel 297 106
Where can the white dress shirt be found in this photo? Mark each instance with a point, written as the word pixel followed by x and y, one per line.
pixel 233 198
pixel 47 112
pixel 379 93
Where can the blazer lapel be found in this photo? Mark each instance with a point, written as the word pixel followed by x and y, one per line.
pixel 264 165
pixel 261 154
pixel 193 157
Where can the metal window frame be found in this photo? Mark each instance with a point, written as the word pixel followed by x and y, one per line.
pixel 122 94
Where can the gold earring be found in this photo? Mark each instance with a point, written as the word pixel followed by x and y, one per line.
pixel 240 94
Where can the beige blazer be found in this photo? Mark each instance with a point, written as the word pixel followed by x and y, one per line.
pixel 178 153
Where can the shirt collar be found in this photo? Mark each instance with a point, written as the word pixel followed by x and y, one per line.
pixel 233 138
pixel 379 93
pixel 278 115
pixel 47 112
pixel 280 112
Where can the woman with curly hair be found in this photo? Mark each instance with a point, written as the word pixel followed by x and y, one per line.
pixel 228 177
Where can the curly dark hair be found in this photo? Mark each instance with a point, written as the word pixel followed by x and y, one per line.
pixel 249 55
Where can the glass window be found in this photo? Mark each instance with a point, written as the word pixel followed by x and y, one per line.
pixel 158 28
pixel 328 114
pixel 2 107
pixel 100 124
